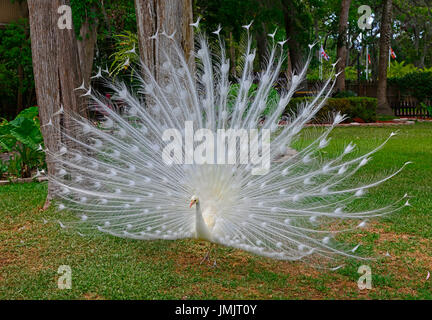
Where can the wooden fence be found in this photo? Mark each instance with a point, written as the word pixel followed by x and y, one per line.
pixel 409 107
pixel 402 105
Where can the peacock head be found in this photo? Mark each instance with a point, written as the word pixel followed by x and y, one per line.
pixel 194 200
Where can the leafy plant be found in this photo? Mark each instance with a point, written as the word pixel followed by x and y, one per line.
pixel 400 69
pixel 126 52
pixel 3 167
pixel 22 137
pixel 354 107
pixel 14 166
pixel 16 69
pixel 345 94
pixel 426 107
pixel 272 97
pixel 417 84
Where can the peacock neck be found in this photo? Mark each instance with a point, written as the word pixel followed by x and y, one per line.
pixel 201 229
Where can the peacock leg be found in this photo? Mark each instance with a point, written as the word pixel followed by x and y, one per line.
pixel 207 255
pixel 215 255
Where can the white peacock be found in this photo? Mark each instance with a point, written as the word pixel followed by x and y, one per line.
pixel 114 178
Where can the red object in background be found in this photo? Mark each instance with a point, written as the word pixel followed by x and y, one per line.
pixel 369 59
pixel 359 120
pixel 392 53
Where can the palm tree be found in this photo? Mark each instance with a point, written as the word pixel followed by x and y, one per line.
pixel 384 46
pixel 341 43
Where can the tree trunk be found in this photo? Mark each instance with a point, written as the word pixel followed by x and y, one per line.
pixel 56 72
pixel 384 46
pixel 342 43
pixel 86 49
pixel 291 29
pixel 163 16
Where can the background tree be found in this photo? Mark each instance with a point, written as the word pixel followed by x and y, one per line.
pixel 85 17
pixel 342 43
pixel 414 29
pixel 171 17
pixel 56 71
pixel 384 46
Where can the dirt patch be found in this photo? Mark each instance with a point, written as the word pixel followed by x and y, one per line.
pixel 92 296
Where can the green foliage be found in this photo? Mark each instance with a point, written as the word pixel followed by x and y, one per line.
pixel 273 97
pixel 400 69
pixel 125 43
pixel 15 55
pixel 426 107
pixel 351 73
pixel 417 84
pixel 22 138
pixel 354 107
pixel 345 94
pixel 313 71
pixel 83 10
pixel 3 167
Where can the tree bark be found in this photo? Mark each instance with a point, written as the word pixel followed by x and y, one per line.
pixel 384 46
pixel 56 73
pixel 291 30
pixel 342 44
pixel 163 16
pixel 86 49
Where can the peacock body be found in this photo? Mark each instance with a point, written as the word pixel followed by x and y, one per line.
pixel 114 176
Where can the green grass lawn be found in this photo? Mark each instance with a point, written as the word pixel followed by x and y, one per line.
pixel 105 267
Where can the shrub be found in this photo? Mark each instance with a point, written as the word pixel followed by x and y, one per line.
pixel 272 98
pixel 354 107
pixel 23 139
pixel 345 94
pixel 16 69
pixel 417 84
pixel 400 69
